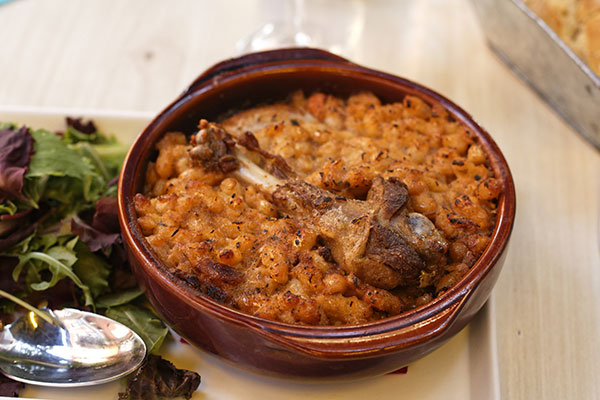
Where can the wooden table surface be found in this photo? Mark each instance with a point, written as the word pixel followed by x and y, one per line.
pixel 134 55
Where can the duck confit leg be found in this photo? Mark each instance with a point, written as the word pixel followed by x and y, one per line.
pixel 379 239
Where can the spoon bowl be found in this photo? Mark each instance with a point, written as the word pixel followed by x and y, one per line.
pixel 87 349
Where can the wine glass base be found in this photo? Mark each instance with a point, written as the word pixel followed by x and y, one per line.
pixel 275 35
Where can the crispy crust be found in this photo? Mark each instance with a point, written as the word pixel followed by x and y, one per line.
pixel 237 245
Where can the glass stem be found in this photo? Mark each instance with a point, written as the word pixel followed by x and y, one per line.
pixel 298 15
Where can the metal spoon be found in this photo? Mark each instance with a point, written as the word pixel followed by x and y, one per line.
pixel 86 349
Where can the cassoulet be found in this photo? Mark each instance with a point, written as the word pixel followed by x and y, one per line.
pixel 321 210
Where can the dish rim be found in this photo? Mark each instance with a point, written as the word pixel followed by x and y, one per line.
pixel 446 305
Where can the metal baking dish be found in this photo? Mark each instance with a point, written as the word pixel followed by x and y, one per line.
pixel 536 54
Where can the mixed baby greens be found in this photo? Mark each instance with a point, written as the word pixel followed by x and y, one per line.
pixel 59 234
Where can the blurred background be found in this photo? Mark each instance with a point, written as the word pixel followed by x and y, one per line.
pixel 146 52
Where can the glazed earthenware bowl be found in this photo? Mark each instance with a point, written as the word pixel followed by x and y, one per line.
pixel 275 348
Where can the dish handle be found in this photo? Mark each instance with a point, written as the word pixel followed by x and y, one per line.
pixel 261 58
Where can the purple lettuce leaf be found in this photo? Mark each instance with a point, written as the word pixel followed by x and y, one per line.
pixel 84 127
pixel 159 379
pixel 10 388
pixel 16 147
pixel 7 283
pixel 104 230
pixel 106 218
pixel 92 237
pixel 14 230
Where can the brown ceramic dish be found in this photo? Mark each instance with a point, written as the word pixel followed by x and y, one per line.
pixel 290 350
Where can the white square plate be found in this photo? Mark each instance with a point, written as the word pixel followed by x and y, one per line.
pixel 464 368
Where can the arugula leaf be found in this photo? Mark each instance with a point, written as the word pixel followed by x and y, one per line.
pixel 73 135
pixel 57 268
pixel 112 153
pixel 119 298
pixel 92 269
pixel 8 207
pixel 151 329
pixel 106 152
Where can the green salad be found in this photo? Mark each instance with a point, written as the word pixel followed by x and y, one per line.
pixel 60 243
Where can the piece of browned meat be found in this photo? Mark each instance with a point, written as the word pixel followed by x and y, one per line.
pixel 212 148
pixel 378 239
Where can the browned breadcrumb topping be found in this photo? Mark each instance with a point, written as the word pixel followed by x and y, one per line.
pixel 577 23
pixel 233 242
